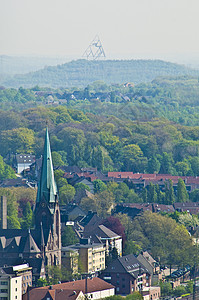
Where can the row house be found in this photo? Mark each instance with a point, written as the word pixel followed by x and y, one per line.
pixel 128 275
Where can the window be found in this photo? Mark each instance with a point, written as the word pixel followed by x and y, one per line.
pixel 4 283
pixel 4 290
pixel 15 297
pixel 15 281
pixel 15 289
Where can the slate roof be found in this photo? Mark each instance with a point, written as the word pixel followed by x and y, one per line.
pixel 149 258
pixel 101 231
pixel 91 220
pixel 126 264
pixel 14 182
pixel 30 245
pixel 25 158
pixel 21 239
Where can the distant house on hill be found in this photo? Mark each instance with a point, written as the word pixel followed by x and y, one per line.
pixel 190 207
pixel 16 182
pixel 76 179
pixel 71 212
pixel 23 161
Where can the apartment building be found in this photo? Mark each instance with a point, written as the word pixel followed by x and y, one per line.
pixel 91 255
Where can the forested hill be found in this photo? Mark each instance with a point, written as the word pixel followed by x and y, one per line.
pixel 80 73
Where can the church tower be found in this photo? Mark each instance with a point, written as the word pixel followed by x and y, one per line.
pixel 47 213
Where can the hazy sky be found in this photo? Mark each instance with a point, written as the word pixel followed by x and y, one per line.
pixel 127 28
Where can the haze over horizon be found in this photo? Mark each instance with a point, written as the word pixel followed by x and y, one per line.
pixel 128 29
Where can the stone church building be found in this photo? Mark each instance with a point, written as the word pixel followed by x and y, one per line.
pixel 41 246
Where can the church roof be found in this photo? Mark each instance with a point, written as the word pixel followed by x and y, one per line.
pixel 30 245
pixel 47 188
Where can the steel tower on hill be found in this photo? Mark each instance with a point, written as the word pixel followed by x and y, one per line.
pixel 95 50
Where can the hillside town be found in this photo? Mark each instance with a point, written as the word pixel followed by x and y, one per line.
pixel 81 243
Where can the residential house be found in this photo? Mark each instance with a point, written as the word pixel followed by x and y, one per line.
pixel 94 288
pixel 151 265
pixel 127 274
pixel 162 208
pixel 91 220
pixel 51 293
pixel 189 207
pixel 108 237
pixel 70 212
pixel 81 179
pixel 23 161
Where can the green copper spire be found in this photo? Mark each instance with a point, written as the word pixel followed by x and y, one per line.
pixel 47 189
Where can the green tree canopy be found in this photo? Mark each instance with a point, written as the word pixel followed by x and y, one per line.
pixel 68 236
pixel 164 237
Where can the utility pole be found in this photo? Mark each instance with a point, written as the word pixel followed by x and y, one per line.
pixel 194 282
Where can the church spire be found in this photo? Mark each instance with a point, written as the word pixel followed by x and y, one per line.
pixel 47 189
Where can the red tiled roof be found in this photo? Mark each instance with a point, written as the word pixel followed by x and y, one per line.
pixel 148 176
pixel 143 206
pixel 190 180
pixel 93 285
pixel 120 174
pixel 163 207
pixel 56 294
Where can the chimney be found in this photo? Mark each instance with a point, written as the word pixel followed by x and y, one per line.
pixel 3 212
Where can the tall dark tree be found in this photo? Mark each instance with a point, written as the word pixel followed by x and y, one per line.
pixel 182 195
pixel 152 194
pixel 169 192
